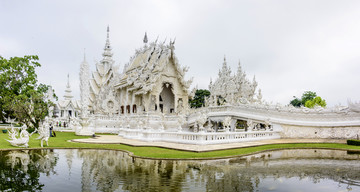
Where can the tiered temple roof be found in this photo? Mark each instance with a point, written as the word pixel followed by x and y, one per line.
pixel 104 71
pixel 148 64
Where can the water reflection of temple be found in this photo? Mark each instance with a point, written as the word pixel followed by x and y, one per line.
pixel 108 170
pixel 112 170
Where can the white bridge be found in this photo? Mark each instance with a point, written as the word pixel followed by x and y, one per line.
pixel 228 124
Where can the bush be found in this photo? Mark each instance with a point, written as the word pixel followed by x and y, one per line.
pixel 353 142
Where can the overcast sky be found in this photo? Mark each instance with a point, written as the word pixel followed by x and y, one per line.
pixel 290 46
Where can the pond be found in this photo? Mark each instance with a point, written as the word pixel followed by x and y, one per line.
pixel 109 170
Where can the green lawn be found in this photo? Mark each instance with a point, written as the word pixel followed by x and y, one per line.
pixel 61 141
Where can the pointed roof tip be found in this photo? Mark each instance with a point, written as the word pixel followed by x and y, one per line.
pixel 68 81
pixel 84 54
pixel 145 40
pixel 108 31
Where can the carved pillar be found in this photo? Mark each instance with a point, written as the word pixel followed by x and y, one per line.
pixel 132 102
pixel 126 99
pixel 157 102
pixel 120 100
pixel 175 103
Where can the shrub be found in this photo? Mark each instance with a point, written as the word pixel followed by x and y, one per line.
pixel 353 142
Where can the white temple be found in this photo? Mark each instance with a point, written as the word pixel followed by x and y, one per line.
pixel 148 101
pixel 68 107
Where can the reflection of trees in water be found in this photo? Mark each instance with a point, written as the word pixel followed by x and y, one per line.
pixel 20 170
pixel 113 170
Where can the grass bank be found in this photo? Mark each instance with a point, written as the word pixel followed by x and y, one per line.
pixel 61 141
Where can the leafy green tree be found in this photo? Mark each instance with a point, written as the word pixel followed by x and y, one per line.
pixel 308 99
pixel 307 95
pixel 296 102
pixel 317 101
pixel 31 108
pixel 199 98
pixel 20 95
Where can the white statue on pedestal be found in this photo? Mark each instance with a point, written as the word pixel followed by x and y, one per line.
pixel 44 132
pixel 227 123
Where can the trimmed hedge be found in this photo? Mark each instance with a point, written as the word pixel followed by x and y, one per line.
pixel 353 142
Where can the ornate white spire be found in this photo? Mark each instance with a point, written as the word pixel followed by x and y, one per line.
pixel 107 50
pixel 84 86
pixel 239 70
pixel 145 38
pixel 68 95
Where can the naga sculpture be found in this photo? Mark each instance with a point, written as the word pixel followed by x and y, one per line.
pixel 22 140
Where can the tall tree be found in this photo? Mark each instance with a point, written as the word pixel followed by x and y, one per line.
pixel 20 95
pixel 317 101
pixel 199 98
pixel 307 95
pixel 296 102
pixel 308 99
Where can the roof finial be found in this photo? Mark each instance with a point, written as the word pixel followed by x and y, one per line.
pixel 68 81
pixel 84 54
pixel 68 94
pixel 145 40
pixel 108 30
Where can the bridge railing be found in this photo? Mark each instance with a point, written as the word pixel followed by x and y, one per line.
pixel 201 138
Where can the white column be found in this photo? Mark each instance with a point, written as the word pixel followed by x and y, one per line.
pixel 120 102
pixel 132 101
pixel 126 101
pixel 175 103
pixel 157 102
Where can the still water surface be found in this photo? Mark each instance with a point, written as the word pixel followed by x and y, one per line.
pixel 107 170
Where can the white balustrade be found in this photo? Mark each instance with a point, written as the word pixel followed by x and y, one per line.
pixel 198 138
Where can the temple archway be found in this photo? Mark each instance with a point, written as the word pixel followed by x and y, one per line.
pixel 167 99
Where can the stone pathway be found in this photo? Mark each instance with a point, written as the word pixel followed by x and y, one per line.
pixel 114 139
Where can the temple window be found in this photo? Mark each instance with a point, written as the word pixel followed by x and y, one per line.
pixel 134 108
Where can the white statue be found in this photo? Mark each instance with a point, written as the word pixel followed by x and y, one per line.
pixel 44 132
pixel 250 125
pixel 227 123
pixel 210 129
pixel 181 121
pixel 23 139
pixel 201 120
pixel 162 122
